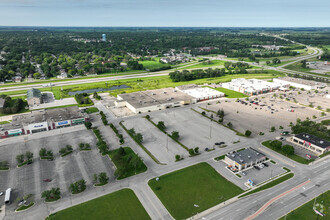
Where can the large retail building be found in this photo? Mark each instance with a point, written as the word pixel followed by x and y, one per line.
pixel 43 120
pixel 152 100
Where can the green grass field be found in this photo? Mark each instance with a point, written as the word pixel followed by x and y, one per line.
pixel 213 63
pixel 297 67
pixel 155 82
pixel 152 64
pixel 230 93
pixel 119 205
pixel 121 163
pixel 198 185
pixel 306 212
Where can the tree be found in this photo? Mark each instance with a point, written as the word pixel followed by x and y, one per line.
pixel 196 150
pixel 177 157
pixel 139 138
pixel 272 129
pixel 29 155
pixel 147 116
pixel 103 178
pixel 68 148
pixel 175 135
pixel 42 152
pixel 88 125
pixel 203 113
pixel 229 124
pixel 161 125
pixel 288 149
pixel 191 152
pixel 276 145
pixel 248 133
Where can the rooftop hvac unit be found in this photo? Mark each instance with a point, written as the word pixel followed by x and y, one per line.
pixel 249 156
pixel 257 153
pixel 233 155
pixel 321 142
pixel 307 136
pixel 241 161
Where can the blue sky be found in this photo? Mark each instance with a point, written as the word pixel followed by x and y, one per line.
pixel 190 13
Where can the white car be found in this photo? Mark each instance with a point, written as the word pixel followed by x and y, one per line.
pixel 261 165
pixel 1 193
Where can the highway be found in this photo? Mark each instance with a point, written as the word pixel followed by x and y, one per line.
pixel 316 52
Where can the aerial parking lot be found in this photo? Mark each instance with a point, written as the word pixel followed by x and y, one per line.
pixel 43 175
pixel 158 143
pixel 259 114
pixel 195 130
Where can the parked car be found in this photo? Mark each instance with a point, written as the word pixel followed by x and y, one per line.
pixel 257 168
pixel 47 180
pixel 266 165
pixel 261 165
pixel 1 193
pixel 21 202
pixel 222 142
pixel 243 173
pixel 206 149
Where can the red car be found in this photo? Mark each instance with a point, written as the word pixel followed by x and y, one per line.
pixel 47 180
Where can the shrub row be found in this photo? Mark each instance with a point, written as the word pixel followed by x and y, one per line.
pixel 101 144
pixel 120 136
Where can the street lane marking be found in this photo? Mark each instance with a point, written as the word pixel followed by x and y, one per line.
pixel 274 199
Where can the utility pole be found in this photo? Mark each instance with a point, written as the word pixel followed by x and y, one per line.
pixel 211 130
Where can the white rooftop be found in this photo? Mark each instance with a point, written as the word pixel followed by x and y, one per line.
pixel 251 85
pixel 203 93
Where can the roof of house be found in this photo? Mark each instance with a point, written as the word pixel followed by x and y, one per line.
pixel 245 156
pixel 33 93
pixel 313 140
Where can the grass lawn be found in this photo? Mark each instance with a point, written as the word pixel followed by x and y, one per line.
pixel 306 212
pixel 199 184
pixel 155 82
pixel 152 64
pixel 292 157
pixel 92 110
pixel 230 93
pixel 213 63
pixel 270 184
pixel 119 205
pixel 297 67
pixel 121 163
pixel 4 122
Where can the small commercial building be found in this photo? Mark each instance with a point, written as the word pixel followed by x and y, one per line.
pixel 312 143
pixel 246 158
pixel 299 83
pixel 43 120
pixel 152 100
pixel 34 97
pixel 200 93
pixel 252 86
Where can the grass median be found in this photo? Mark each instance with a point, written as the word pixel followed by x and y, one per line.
pixel 269 185
pixel 192 190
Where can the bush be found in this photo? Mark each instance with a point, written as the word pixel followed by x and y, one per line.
pixel 177 157
pixel 248 133
pixel 191 152
pixel 175 135
pixel 276 145
pixel 272 129
pixel 196 150
pixel 88 125
pixel 288 149
pixel 78 187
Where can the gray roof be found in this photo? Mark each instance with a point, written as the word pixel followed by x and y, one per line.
pixel 155 97
pixel 2 102
pixel 33 93
pixel 51 115
pixel 246 156
pixel 313 140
